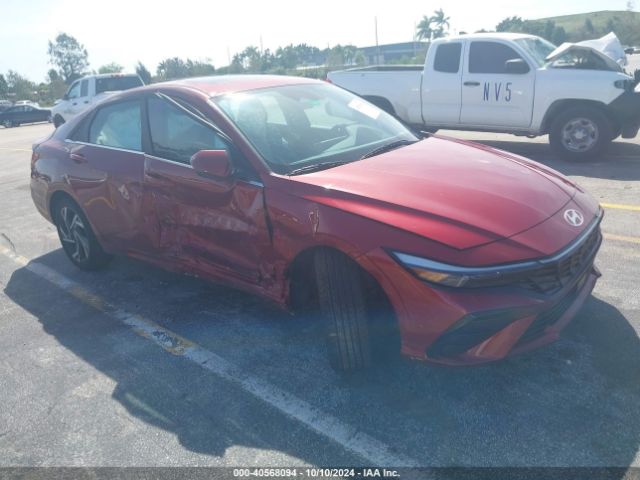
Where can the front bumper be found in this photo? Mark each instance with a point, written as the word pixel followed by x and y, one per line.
pixel 466 326
pixel 626 112
pixel 523 330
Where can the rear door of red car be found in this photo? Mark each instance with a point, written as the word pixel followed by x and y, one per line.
pixel 106 168
pixel 208 225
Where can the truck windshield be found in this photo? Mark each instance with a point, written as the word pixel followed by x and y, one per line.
pixel 538 48
pixel 296 127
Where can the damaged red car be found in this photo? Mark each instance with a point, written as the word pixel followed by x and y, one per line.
pixel 307 195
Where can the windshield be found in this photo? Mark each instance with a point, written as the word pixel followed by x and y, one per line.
pixel 538 48
pixel 298 126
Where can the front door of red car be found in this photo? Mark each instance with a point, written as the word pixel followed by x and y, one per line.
pixel 215 226
pixel 106 169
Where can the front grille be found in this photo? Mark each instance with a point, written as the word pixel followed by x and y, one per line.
pixel 551 316
pixel 553 276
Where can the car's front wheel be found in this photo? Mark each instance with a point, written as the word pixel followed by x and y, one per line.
pixel 7 123
pixel 57 121
pixel 76 236
pixel 580 133
pixel 341 296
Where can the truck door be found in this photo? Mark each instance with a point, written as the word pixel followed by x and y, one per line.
pixel 82 102
pixel 441 81
pixel 71 99
pixel 497 86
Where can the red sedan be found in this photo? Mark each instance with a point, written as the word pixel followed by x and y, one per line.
pixel 315 199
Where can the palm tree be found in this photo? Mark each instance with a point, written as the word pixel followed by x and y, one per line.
pixel 424 30
pixel 442 23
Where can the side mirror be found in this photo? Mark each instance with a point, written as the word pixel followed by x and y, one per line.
pixel 214 164
pixel 65 96
pixel 516 66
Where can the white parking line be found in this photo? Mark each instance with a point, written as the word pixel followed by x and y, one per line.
pixel 371 450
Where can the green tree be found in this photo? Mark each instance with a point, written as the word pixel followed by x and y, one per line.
pixel 112 67
pixel 143 73
pixel 249 60
pixel 588 27
pixel 20 87
pixel 510 24
pixel 549 30
pixel 424 30
pixel 69 56
pixel 441 22
pixel 559 36
pixel 172 68
pixel 52 75
pixel 197 68
pixel 4 87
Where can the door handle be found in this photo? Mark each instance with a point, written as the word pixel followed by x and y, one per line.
pixel 471 84
pixel 74 103
pixel 78 158
pixel 86 101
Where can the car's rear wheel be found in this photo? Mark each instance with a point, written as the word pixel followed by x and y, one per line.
pixel 76 236
pixel 580 133
pixel 7 123
pixel 341 297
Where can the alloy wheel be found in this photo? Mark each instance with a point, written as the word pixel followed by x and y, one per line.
pixel 74 235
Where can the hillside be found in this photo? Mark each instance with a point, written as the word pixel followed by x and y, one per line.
pixel 622 22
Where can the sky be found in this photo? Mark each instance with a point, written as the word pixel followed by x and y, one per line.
pixel 128 31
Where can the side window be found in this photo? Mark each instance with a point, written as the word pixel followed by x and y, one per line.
pixel 118 125
pixel 74 91
pixel 448 58
pixel 175 135
pixel 84 88
pixel 490 57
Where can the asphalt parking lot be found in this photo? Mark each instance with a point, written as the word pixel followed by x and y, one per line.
pixel 134 366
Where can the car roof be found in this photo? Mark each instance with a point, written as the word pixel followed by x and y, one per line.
pixel 224 84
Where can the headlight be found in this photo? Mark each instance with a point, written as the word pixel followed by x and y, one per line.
pixel 468 277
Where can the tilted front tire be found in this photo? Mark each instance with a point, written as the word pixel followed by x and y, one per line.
pixel 342 305
pixel 580 133
pixel 76 236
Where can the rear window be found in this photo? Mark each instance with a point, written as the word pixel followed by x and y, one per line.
pixel 115 84
pixel 448 58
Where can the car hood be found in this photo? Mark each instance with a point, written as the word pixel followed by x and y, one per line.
pixel 608 48
pixel 456 193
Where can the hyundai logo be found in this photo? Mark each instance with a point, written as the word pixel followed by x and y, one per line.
pixel 573 217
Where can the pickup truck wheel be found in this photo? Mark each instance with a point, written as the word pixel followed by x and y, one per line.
pixel 57 121
pixel 580 133
pixel 76 236
pixel 341 297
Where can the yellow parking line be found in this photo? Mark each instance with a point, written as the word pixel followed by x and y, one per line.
pixel 617 206
pixel 351 439
pixel 621 238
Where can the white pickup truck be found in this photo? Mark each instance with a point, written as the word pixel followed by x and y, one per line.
pixel 511 83
pixel 88 90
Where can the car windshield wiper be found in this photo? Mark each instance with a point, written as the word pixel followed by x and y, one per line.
pixel 388 147
pixel 315 167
